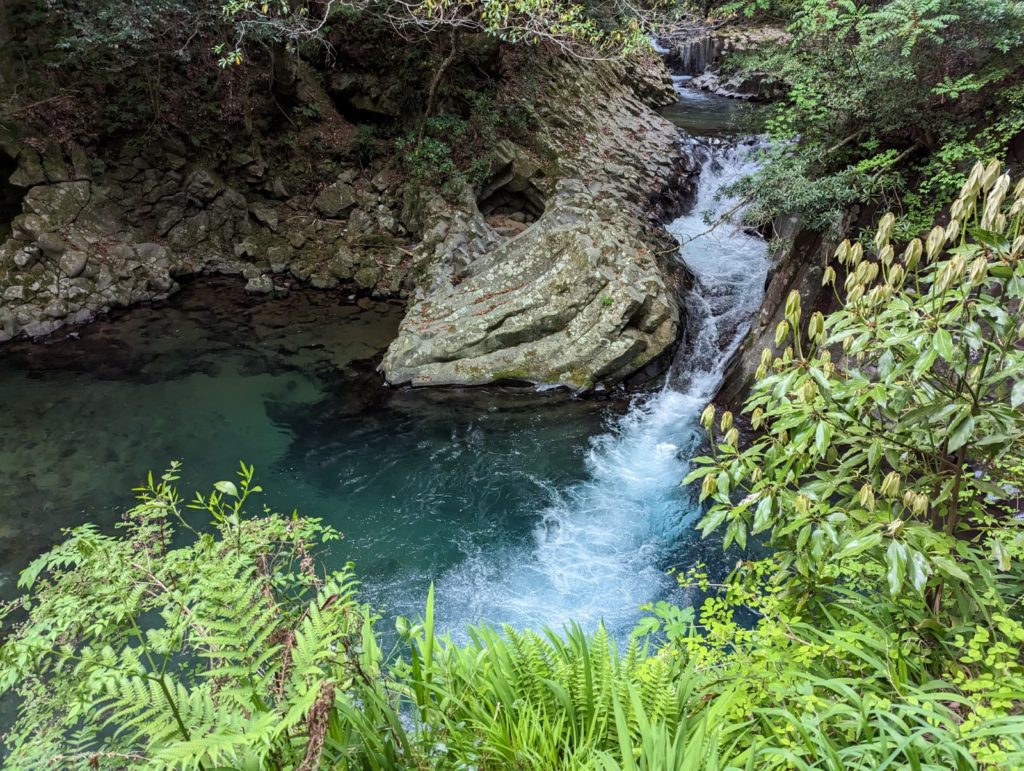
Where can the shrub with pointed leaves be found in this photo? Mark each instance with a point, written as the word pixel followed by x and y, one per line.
pixel 890 435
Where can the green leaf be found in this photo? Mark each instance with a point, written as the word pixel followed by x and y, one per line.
pixel 698 473
pixel 762 514
pixel 713 519
pixel 228 488
pixel 858 545
pixel 723 484
pixel 919 570
pixel 925 362
pixel 961 432
pixel 950 568
pixel 990 238
pixel 822 437
pixel 1002 559
pixel 874 453
pixel 1017 394
pixel 896 560
pixel 942 344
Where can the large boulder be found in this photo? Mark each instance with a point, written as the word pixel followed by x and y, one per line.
pixel 572 301
pixel 558 275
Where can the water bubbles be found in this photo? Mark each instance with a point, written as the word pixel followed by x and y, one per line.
pixel 600 546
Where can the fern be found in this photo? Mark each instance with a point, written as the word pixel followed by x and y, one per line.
pixel 213 654
pixel 220 654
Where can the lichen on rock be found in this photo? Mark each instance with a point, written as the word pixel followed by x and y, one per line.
pixel 587 293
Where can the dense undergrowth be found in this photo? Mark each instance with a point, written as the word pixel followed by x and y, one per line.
pixel 884 472
pixel 881 102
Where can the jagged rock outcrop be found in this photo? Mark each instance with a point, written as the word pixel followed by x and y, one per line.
pixel 585 294
pixel 574 300
pixel 94 236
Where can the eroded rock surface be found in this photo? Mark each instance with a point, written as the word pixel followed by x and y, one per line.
pixel 574 300
pixel 92 236
pixel 585 294
pixel 551 269
pixel 698 52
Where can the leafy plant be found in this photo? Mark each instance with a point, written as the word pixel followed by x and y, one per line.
pixel 884 102
pixel 229 650
pixel 232 651
pixel 882 462
pixel 888 452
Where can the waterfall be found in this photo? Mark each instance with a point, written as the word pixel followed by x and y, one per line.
pixel 600 547
pixel 694 55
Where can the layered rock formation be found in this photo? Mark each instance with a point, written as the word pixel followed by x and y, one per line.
pixel 93 236
pixel 586 294
pixel 698 52
pixel 551 270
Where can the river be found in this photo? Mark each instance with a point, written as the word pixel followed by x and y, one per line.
pixel 531 508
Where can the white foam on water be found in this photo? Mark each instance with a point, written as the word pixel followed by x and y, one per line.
pixel 657 47
pixel 598 548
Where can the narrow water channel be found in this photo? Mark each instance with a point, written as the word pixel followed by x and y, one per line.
pixel 523 507
pixel 601 546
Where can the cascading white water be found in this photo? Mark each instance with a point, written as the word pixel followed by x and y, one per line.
pixel 599 548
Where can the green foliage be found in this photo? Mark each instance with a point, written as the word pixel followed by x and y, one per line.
pixel 521 699
pixel 127 26
pixel 885 631
pixel 426 160
pixel 850 689
pixel 877 467
pixel 454 147
pixel 367 143
pixel 884 97
pixel 229 651
pixel 578 28
pixel 888 482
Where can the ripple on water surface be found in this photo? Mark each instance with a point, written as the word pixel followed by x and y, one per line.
pixel 417 481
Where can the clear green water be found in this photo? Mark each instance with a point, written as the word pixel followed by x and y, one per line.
pixel 523 507
pixel 418 481
pixel 705 115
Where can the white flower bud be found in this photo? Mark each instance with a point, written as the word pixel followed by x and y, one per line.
pixel 934 242
pixel 912 254
pixel 991 174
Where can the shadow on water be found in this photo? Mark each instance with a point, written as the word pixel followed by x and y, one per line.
pixel 415 480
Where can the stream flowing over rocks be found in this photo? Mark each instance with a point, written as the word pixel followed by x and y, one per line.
pixel 552 271
pixel 695 52
pixel 579 258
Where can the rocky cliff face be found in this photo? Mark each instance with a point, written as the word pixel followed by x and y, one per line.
pixel 92 236
pixel 698 52
pixel 585 294
pixel 799 266
pixel 549 271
